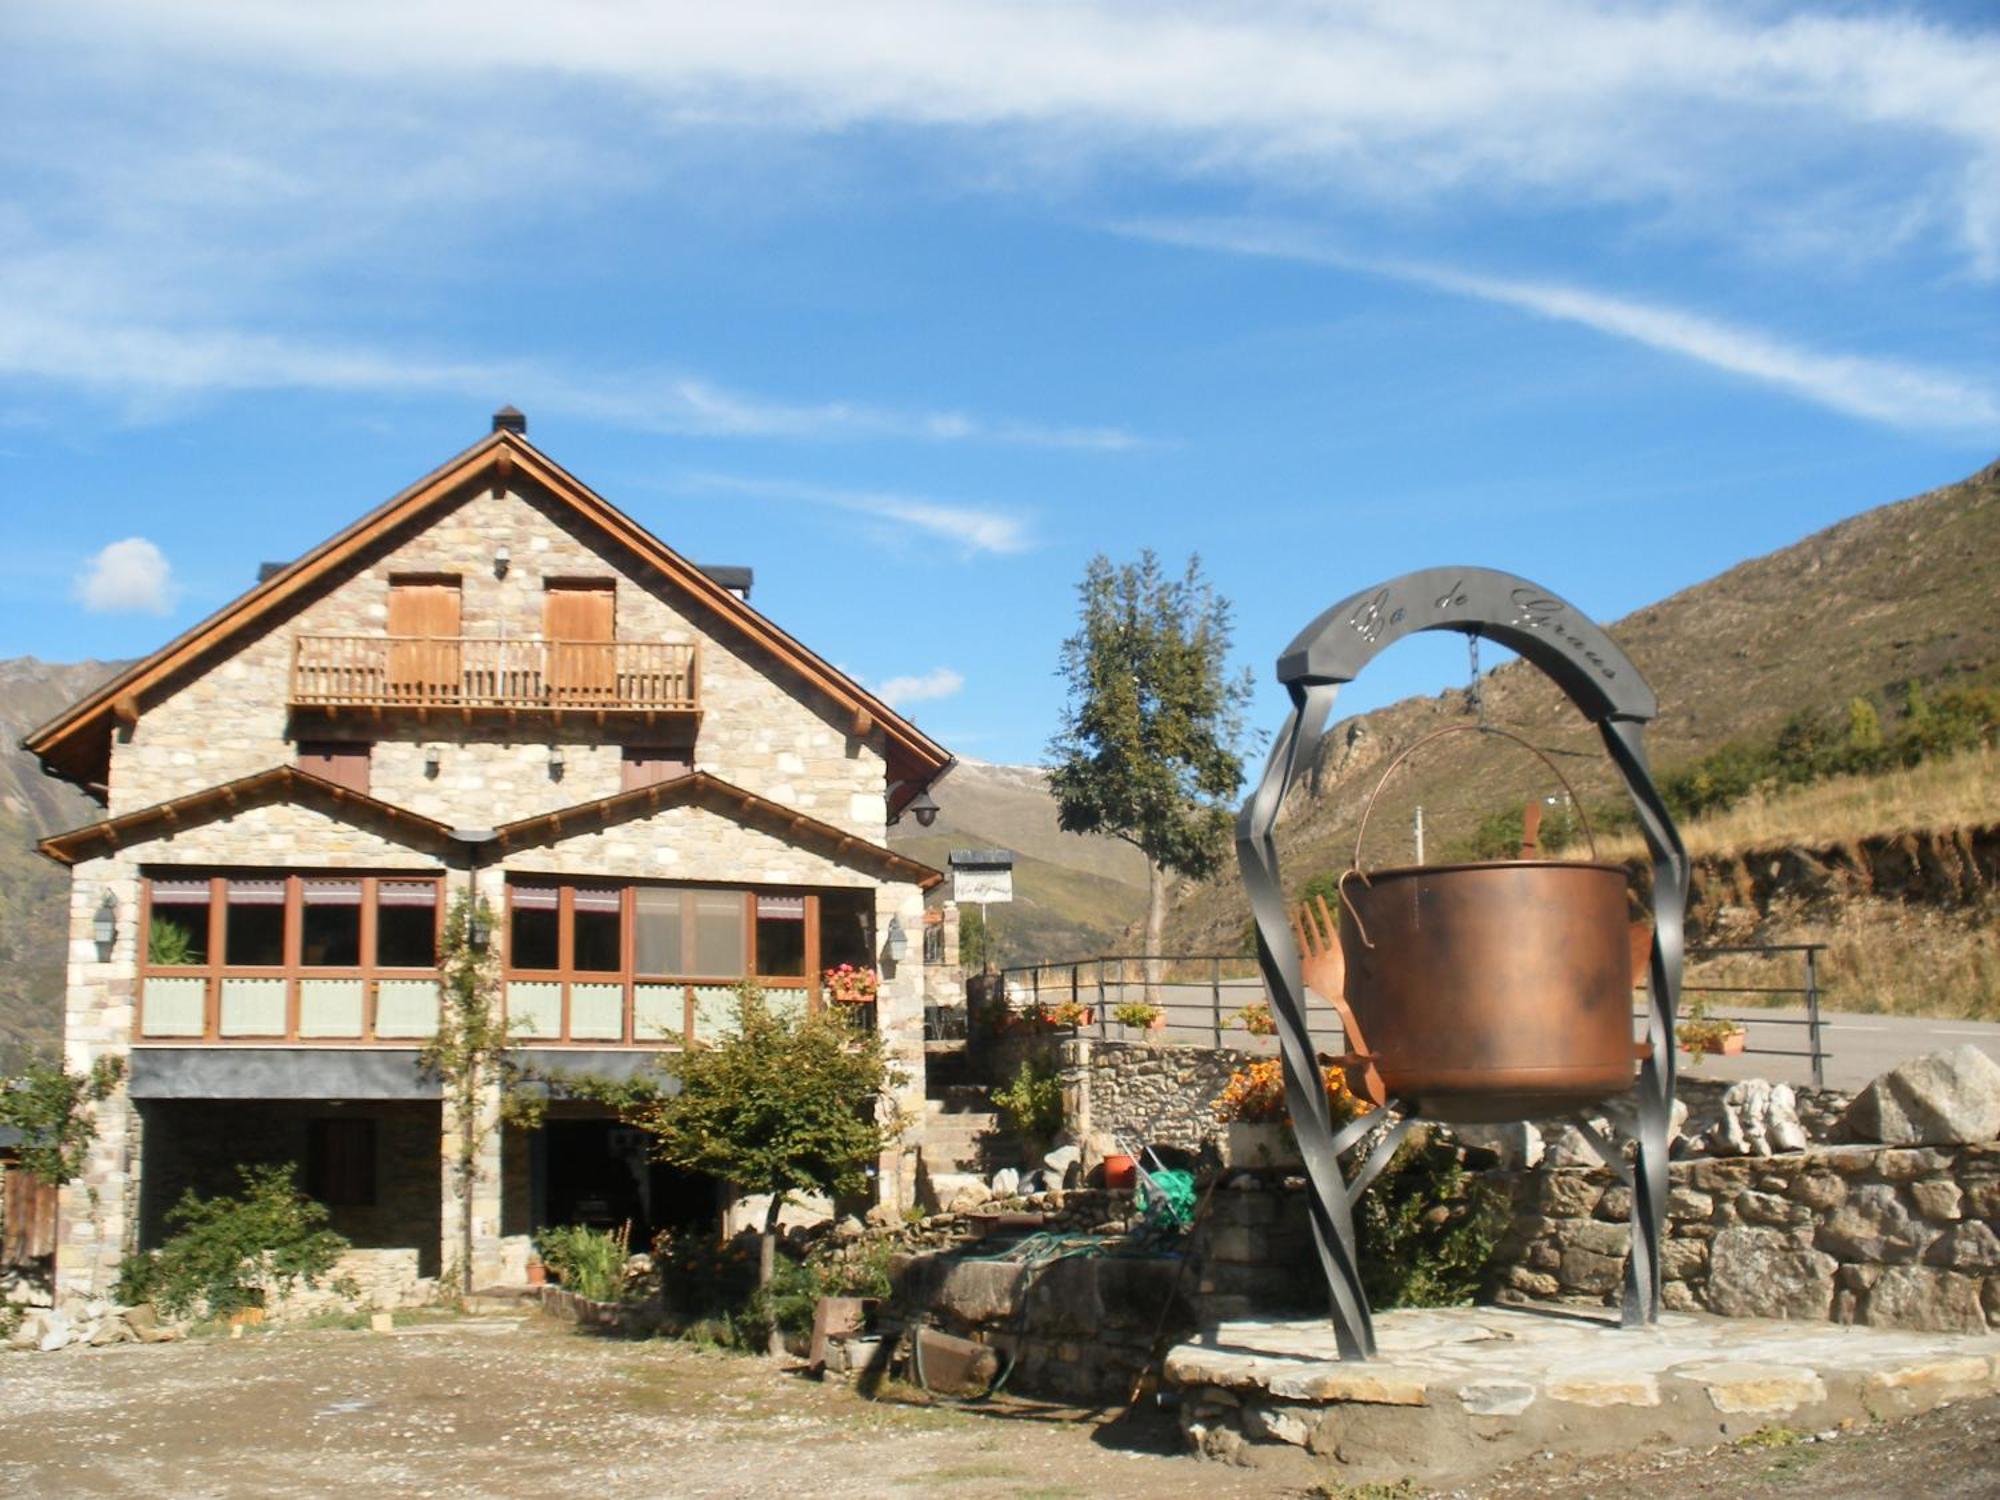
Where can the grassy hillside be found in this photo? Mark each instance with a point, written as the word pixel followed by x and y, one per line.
pixel 1906 592
pixel 34 911
pixel 1072 895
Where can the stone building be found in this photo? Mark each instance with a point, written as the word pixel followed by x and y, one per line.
pixel 494 682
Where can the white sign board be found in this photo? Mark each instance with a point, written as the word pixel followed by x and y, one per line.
pixel 982 885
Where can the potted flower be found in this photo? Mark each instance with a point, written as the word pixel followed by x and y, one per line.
pixel 847 984
pixel 1702 1035
pixel 1141 1015
pixel 1256 1018
pixel 1257 1125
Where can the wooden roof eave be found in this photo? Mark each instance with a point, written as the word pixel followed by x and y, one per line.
pixel 231 797
pixel 721 796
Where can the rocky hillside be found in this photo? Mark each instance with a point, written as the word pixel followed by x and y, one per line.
pixel 33 892
pixel 1906 592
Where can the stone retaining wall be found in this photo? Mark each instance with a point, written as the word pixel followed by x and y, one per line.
pixel 1885 1236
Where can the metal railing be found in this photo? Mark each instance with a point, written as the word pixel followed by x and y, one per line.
pixel 1200 997
pixel 487 672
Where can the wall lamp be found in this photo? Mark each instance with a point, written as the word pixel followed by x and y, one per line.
pixel 478 931
pixel 555 763
pixel 896 943
pixel 502 560
pixel 922 807
pixel 104 926
pixel 432 760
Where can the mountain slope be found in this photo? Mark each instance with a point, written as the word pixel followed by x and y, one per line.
pixel 1072 895
pixel 34 912
pixel 1906 592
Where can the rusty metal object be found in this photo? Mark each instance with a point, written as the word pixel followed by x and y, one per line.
pixel 1492 992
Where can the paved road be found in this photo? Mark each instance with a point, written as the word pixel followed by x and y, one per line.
pixel 1858 1046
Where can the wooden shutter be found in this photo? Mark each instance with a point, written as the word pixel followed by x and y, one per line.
pixel 342 764
pixel 579 622
pixel 423 645
pixel 650 765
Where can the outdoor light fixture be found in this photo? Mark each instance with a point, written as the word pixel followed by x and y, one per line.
pixel 895 944
pixel 104 927
pixel 925 809
pixel 555 762
pixel 478 931
pixel 431 761
pixel 501 559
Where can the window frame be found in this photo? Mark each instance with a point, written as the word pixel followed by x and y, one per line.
pixel 628 975
pixel 292 969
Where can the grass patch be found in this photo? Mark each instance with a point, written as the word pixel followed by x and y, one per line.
pixel 1405 1488
pixel 961 1472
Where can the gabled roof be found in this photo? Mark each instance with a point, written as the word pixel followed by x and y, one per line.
pixel 700 789
pixel 279 784
pixel 77 743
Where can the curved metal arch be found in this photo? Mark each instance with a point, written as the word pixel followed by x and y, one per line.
pixel 1601 681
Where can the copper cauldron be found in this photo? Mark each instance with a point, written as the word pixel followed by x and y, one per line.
pixel 1480 993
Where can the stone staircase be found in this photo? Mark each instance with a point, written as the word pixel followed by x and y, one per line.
pixel 964 1143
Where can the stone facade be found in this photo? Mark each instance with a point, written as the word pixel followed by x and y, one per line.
pixel 762 728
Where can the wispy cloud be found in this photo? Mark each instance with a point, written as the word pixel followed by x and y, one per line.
pixel 130 576
pixel 1894 392
pixel 148 364
pixel 928 687
pixel 1550 100
pixel 968 529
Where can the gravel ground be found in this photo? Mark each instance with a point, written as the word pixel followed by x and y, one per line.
pixel 529 1408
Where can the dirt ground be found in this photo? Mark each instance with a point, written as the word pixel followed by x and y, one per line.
pixel 529 1408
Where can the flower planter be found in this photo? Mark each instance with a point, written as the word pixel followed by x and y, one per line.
pixel 1727 1044
pixel 1258 1143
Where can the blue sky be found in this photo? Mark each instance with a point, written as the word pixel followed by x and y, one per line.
pixel 915 307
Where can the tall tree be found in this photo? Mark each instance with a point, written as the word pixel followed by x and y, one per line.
pixel 1148 749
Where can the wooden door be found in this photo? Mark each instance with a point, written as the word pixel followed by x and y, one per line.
pixel 578 620
pixel 423 640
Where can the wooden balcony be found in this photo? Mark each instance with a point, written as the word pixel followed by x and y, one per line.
pixel 485 675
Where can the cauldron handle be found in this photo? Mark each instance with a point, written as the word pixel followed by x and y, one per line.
pixel 1438 734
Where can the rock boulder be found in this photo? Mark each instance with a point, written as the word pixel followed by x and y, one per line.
pixel 1943 1099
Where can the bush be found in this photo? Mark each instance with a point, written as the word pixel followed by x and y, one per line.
pixel 1426 1230
pixel 232 1253
pixel 1032 1101
pixel 589 1262
pixel 711 1287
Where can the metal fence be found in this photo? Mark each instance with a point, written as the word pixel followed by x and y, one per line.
pixel 1201 997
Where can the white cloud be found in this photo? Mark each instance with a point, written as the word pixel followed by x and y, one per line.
pixel 1894 392
pixel 149 363
pixel 969 529
pixel 939 682
pixel 1728 111
pixel 132 576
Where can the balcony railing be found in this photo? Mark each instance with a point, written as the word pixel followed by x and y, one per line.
pixel 523 674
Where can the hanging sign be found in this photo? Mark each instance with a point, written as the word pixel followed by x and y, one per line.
pixel 982 876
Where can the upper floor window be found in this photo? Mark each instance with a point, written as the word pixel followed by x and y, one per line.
pixel 342 762
pixel 649 765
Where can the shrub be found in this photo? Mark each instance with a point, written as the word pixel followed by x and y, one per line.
pixel 589 1262
pixel 1426 1229
pixel 1032 1101
pixel 1255 1093
pixel 231 1253
pixel 46 1105
pixel 1139 1015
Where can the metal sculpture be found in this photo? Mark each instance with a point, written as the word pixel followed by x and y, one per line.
pixel 1598 678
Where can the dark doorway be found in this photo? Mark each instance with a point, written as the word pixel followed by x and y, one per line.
pixel 598 1172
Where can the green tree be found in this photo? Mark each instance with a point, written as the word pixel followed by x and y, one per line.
pixel 785 1104
pixel 975 940
pixel 46 1103
pixel 1148 749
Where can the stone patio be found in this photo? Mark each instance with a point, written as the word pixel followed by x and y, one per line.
pixel 1455 1393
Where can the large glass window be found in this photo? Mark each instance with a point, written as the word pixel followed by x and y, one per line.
pixel 719 947
pixel 178 933
pixel 656 930
pixel 847 929
pixel 534 940
pixel 254 925
pixel 406 924
pixel 330 924
pixel 781 936
pixel 599 928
